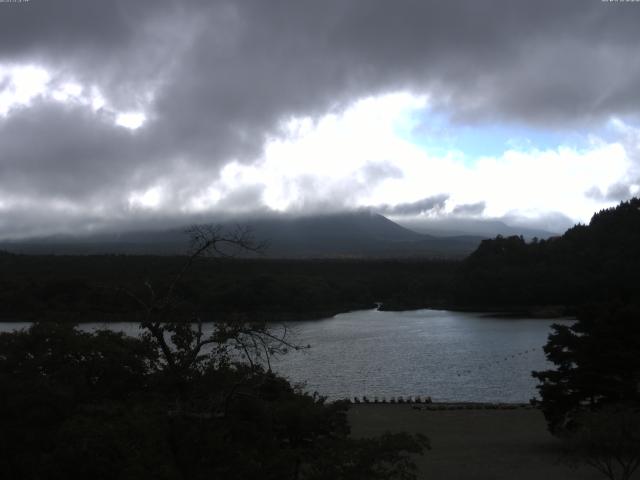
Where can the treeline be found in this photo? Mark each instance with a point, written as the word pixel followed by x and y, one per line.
pixel 588 264
pixel 105 287
pixel 77 405
pixel 176 402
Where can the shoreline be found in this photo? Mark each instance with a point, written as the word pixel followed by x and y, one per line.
pixel 542 312
pixel 210 317
pixel 440 406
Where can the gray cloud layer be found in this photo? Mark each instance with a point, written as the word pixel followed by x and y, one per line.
pixel 469 209
pixel 219 77
pixel 428 204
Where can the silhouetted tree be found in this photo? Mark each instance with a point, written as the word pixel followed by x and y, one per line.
pixel 597 362
pixel 608 440
pixel 175 403
pixel 589 263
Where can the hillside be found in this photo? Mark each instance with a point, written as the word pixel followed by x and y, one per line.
pixel 486 227
pixel 589 263
pixel 354 235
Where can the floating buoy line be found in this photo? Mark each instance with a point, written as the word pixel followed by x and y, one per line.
pixel 493 363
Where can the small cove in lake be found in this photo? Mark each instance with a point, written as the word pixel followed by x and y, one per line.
pixel 448 355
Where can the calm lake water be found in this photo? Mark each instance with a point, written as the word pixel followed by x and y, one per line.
pixel 450 356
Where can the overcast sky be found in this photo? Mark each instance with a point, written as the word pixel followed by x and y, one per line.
pixel 117 111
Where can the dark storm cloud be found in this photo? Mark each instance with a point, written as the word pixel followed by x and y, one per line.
pixel 66 152
pixel 469 209
pixel 617 192
pixel 218 78
pixel 483 61
pixel 242 200
pixel 434 203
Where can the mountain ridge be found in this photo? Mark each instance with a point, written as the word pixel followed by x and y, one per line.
pixel 350 234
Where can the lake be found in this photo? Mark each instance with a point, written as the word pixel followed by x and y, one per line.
pixel 447 355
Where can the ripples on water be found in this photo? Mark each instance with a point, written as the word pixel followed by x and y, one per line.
pixel 450 356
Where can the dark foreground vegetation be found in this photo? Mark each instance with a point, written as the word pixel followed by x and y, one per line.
pixel 106 406
pixel 175 403
pixel 103 406
pixel 591 398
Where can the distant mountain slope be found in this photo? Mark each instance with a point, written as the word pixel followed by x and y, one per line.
pixel 353 234
pixel 469 226
pixel 356 234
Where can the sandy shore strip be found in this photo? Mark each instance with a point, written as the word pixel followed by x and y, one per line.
pixel 474 443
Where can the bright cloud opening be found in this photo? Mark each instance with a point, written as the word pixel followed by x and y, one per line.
pixel 147 199
pixel 20 84
pixel 361 158
pixel 68 92
pixel 130 120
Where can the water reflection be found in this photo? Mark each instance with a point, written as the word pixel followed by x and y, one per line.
pixel 450 356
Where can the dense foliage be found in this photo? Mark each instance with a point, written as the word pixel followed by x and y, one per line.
pixel 594 263
pixel 607 439
pixel 91 287
pixel 178 402
pixel 591 398
pixel 597 362
pixel 590 263
pixel 105 406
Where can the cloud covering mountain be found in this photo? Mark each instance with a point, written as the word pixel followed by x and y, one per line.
pixel 115 111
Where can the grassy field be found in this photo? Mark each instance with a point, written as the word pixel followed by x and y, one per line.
pixel 474 444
